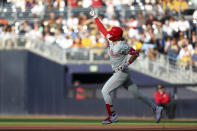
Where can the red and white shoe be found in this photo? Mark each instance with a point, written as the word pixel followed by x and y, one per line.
pixel 110 119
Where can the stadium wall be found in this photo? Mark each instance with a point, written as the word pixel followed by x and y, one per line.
pixel 13 81
pixel 31 84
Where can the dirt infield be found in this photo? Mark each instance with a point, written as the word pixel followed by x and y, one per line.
pixel 97 127
pixel 40 123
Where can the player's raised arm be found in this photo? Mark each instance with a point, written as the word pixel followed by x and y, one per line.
pixel 98 22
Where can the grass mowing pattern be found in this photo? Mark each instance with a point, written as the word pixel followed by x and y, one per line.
pixel 80 121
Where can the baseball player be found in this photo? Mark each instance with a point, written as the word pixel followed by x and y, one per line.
pixel 118 50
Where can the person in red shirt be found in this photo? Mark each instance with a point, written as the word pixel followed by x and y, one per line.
pixel 72 3
pixel 162 98
pixel 97 3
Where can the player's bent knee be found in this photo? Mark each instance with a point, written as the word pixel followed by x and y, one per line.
pixel 136 95
pixel 133 88
pixel 104 92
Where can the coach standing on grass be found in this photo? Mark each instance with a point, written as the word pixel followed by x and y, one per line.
pixel 118 51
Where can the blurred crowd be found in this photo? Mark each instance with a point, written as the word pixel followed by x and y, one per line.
pixel 171 4
pixel 155 29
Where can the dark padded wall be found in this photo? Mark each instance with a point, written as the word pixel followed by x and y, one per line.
pixel 45 85
pixel 12 81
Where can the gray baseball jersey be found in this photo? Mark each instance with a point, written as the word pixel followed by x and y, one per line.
pixel 118 53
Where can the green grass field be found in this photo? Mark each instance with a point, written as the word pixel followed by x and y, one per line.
pixel 88 121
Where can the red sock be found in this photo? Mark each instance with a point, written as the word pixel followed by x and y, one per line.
pixel 110 109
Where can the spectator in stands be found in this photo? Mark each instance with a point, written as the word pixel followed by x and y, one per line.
pixel 163 99
pixel 152 36
pixel 148 6
pixel 179 5
pixel 38 9
pixel 8 34
pixel 73 3
pixel 114 22
pixel 194 38
pixel 86 41
pixel 59 4
pixel 183 25
pixel 167 30
pixel 86 3
pixel 136 43
pixel 3 21
pixel 182 39
pixel 167 5
pixel 194 2
pixel 109 8
pixel 18 4
pixel 158 36
pixel 172 48
pixel 97 3
pixel 48 38
pixel 52 22
pixel 35 33
pixel 141 20
pixel 83 18
pixel 97 47
pixel 25 28
pixel 49 4
pixel 174 26
pixel 52 18
pixel 60 23
pixel 194 58
pixel 195 20
pixel 5 33
pixel 172 51
pixel 132 24
pixel 59 37
pixel 185 55
pixel 77 43
pixel 190 47
pixel 101 40
pixel 159 8
pixel 72 22
pixel 150 19
pixel 165 17
pixel 67 42
pixel 29 4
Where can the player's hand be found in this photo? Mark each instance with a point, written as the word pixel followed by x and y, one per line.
pixel 122 67
pixel 135 52
pixel 92 12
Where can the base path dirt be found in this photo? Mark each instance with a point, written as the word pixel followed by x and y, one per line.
pixel 97 127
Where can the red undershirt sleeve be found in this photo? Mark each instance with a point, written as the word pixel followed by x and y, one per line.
pixel 101 27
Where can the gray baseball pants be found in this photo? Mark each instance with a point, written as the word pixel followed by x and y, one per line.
pixel 119 79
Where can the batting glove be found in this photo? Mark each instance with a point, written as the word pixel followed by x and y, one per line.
pixel 136 52
pixel 123 66
pixel 92 13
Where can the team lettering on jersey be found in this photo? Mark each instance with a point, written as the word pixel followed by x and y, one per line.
pixel 112 53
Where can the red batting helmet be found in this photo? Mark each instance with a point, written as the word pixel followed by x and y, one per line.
pixel 116 33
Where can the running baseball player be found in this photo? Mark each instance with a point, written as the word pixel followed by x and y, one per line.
pixel 118 51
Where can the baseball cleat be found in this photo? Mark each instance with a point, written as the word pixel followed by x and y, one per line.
pixel 158 112
pixel 110 119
